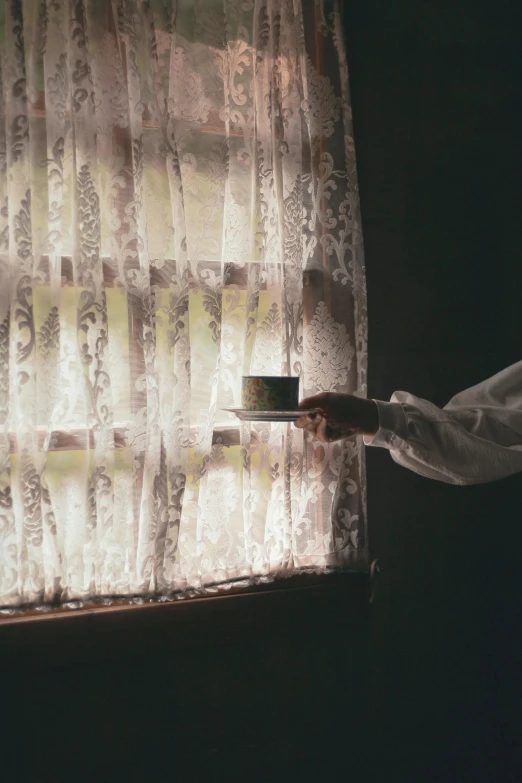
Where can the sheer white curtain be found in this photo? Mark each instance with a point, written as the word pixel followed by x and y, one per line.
pixel 178 207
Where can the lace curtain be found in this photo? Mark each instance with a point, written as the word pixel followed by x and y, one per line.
pixel 178 208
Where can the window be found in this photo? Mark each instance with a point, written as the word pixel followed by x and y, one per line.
pixel 179 207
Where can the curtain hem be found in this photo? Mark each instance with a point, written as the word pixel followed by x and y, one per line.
pixel 232 586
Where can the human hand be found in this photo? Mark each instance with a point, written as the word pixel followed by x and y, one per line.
pixel 339 416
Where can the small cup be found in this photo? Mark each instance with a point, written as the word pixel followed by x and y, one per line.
pixel 269 393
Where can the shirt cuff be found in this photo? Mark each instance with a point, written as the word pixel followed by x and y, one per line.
pixel 393 426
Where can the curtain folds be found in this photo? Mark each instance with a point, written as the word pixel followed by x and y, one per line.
pixel 178 208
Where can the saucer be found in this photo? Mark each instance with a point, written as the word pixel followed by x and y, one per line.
pixel 247 415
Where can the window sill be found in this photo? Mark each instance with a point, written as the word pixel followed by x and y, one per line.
pixel 354 580
pixel 304 604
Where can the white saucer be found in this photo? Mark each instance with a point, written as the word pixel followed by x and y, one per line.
pixel 246 415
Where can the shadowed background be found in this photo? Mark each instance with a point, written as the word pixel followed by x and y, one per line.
pixel 308 684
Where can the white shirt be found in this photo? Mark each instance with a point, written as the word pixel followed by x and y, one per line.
pixel 475 438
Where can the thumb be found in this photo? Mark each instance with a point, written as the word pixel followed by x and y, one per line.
pixel 321 431
pixel 316 401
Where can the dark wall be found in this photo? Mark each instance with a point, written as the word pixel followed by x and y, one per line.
pixel 263 687
pixel 437 99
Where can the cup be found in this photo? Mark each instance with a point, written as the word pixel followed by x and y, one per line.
pixel 269 393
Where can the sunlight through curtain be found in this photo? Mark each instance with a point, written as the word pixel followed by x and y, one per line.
pixel 178 208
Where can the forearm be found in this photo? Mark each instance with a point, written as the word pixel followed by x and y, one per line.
pixel 453 458
pixel 442 445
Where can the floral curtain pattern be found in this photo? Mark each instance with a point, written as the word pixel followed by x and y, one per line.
pixel 178 208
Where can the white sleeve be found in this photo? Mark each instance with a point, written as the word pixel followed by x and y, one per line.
pixel 475 438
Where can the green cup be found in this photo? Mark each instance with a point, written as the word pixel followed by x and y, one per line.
pixel 269 393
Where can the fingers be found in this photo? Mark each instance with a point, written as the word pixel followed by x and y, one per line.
pixel 322 431
pixel 317 401
pixel 308 422
pixel 320 428
pixel 317 425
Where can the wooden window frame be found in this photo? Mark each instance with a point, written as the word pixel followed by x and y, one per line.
pixel 81 439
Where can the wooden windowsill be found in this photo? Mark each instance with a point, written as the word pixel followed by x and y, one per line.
pixel 357 579
pixel 160 635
